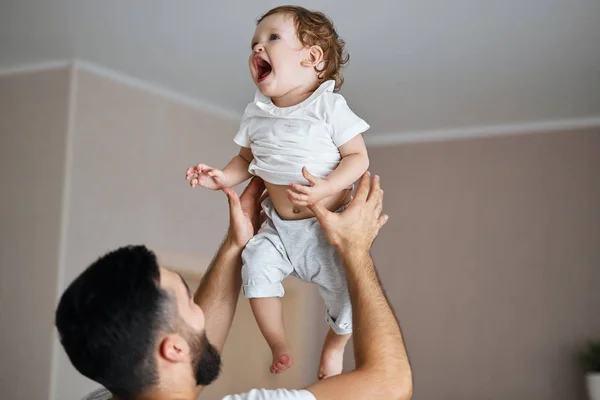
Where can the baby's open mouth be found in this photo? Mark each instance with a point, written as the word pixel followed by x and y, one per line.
pixel 263 68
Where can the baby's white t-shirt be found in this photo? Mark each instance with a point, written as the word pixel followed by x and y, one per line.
pixel 283 140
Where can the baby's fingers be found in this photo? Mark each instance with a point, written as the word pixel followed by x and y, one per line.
pixel 297 198
pixel 195 170
pixel 191 172
pixel 300 188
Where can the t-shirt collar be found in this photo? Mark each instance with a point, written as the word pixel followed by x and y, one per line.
pixel 266 104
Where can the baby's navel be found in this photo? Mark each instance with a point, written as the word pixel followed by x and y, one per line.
pixel 296 210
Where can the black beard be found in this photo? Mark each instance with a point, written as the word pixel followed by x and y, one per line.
pixel 206 362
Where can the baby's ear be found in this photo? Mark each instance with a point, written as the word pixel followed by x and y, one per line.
pixel 314 56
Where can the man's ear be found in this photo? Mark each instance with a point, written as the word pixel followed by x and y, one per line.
pixel 314 57
pixel 174 348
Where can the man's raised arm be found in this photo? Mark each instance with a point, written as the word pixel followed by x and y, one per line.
pixel 219 290
pixel 382 366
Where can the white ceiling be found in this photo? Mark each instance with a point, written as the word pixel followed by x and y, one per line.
pixel 415 64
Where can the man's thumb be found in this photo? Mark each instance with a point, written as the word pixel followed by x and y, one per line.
pixel 319 210
pixel 232 196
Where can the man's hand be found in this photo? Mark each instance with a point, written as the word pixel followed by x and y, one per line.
pixel 206 176
pixel 355 228
pixel 245 212
pixel 317 190
pixel 382 367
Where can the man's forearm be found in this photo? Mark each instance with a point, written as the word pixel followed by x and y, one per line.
pixel 219 291
pixel 377 336
pixel 382 367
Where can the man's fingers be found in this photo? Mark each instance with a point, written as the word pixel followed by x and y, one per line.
pixel 362 190
pixel 382 221
pixel 262 217
pixel 255 188
pixel 320 211
pixel 263 196
pixel 232 196
pixel 378 206
pixel 374 190
pixel 235 204
pixel 376 201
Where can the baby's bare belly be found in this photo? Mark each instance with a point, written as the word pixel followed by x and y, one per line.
pixel 287 210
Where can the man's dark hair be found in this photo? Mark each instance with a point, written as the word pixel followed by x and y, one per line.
pixel 109 319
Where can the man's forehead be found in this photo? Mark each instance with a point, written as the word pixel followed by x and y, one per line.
pixel 167 276
pixel 173 280
pixel 164 271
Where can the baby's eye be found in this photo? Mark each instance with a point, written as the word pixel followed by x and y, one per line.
pixel 274 36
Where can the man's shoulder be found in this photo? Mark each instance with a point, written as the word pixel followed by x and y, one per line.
pixel 273 394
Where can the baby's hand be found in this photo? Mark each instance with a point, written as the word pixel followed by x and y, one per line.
pixel 301 195
pixel 205 176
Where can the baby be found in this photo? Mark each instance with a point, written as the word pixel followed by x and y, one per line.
pixel 303 140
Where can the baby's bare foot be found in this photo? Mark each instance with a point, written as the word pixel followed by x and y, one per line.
pixel 282 359
pixel 332 362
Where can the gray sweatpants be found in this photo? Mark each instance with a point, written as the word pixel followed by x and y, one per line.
pixel 299 248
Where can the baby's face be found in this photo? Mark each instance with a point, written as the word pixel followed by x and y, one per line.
pixel 275 60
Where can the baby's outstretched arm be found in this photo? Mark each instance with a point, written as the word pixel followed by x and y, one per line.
pixel 234 173
pixel 354 163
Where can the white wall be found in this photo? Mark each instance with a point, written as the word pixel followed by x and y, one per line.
pixel 33 126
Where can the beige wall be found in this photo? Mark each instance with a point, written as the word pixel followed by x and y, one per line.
pixel 491 259
pixel 130 152
pixel 33 126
